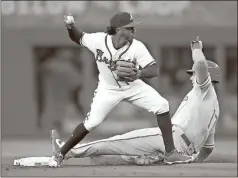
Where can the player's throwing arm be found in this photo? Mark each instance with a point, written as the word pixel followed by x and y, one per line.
pixel 74 34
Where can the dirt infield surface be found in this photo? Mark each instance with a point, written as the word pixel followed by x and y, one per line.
pixel 206 169
pixel 222 162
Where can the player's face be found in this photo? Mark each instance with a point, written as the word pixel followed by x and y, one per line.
pixel 127 33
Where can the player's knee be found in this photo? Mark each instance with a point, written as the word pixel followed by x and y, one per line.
pixel 163 106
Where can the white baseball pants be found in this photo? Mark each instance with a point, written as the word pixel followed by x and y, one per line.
pixel 138 93
pixel 148 141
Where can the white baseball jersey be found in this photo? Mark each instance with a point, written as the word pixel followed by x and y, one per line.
pixel 105 54
pixel 198 113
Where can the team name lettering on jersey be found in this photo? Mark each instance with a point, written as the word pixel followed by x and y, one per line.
pixel 100 58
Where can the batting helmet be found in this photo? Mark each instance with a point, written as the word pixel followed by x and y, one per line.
pixel 213 69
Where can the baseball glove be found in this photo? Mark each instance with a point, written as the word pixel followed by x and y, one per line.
pixel 127 71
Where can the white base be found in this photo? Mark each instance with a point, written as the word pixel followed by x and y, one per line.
pixel 32 161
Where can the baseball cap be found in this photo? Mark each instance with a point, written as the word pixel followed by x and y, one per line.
pixel 123 19
pixel 213 69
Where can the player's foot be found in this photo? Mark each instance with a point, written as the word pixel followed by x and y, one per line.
pixel 56 160
pixel 177 157
pixel 57 144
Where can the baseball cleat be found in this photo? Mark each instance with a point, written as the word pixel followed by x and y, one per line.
pixel 57 144
pixel 177 157
pixel 56 160
pixel 178 162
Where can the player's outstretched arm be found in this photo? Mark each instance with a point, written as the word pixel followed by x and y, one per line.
pixel 74 34
pixel 200 63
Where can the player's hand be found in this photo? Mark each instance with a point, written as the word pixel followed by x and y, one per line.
pixel 196 44
pixel 134 77
pixel 127 71
pixel 69 21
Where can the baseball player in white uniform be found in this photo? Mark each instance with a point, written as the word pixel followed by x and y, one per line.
pixel 194 124
pixel 114 51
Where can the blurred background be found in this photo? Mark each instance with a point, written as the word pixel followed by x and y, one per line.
pixel 48 81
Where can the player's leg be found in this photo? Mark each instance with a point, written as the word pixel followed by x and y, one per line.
pixel 103 102
pixel 152 140
pixel 145 96
pixel 141 142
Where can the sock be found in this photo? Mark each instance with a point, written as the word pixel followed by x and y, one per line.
pixel 165 125
pixel 78 134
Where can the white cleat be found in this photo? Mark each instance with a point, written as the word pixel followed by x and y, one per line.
pixel 56 160
pixel 53 163
pixel 57 144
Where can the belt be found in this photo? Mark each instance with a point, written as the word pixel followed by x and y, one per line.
pixel 189 144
